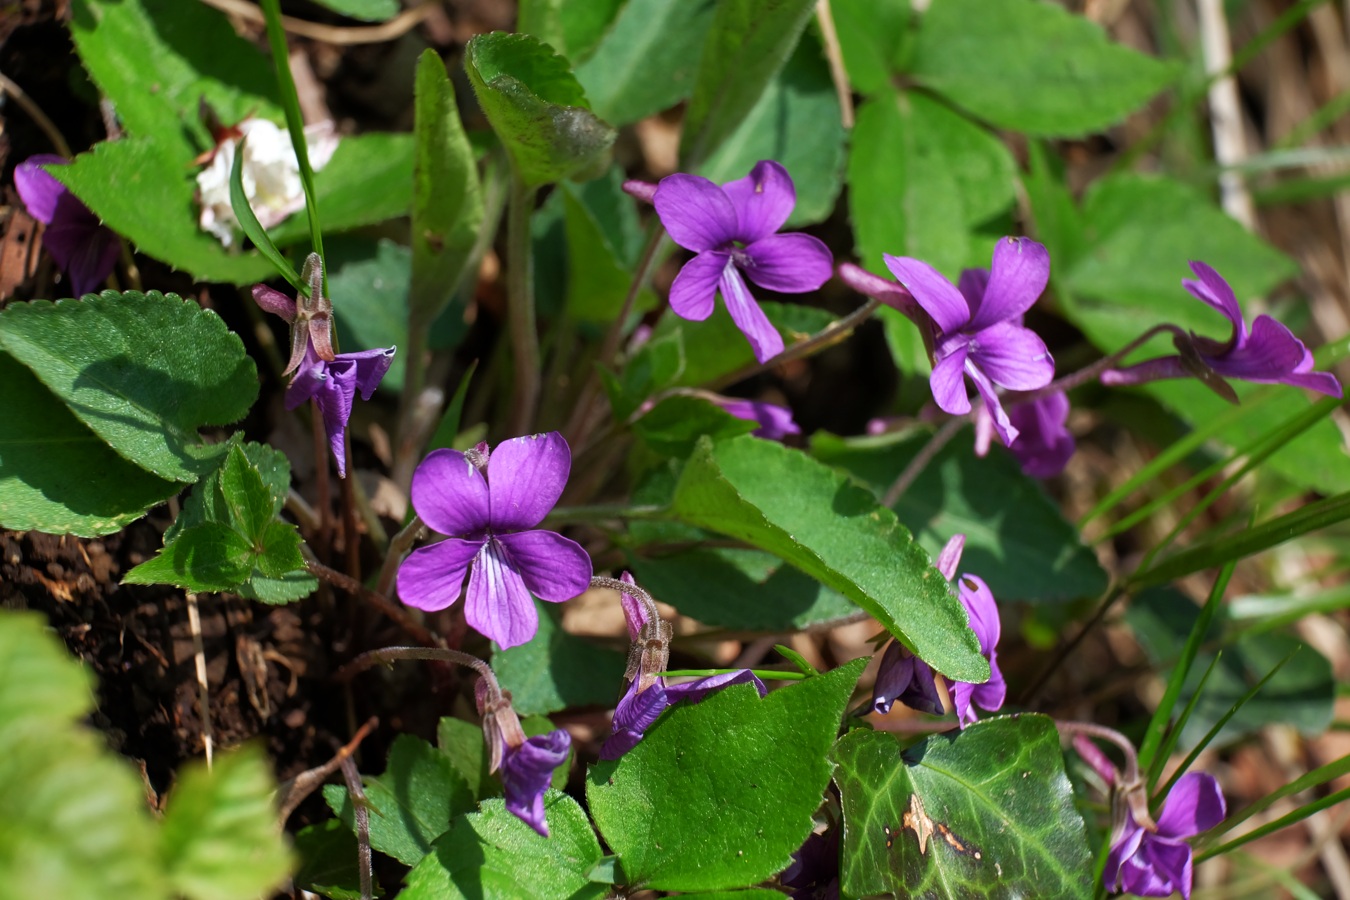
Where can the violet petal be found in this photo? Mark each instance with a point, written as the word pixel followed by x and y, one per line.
pixel 696 212
pixel 1017 278
pixel 38 189
pixel 972 284
pixel 775 422
pixel 982 610
pixel 694 290
pixel 1044 445
pixel 371 366
pixel 497 604
pixel 1215 291
pixel 553 567
pixel 526 476
pixel 1006 432
pixel 527 771
pixel 432 577
pixel 634 714
pixel 694 691
pixel 84 249
pixel 943 302
pixel 1194 804
pixel 450 494
pixel 764 339
pixel 790 263
pixel 949 557
pixel 948 383
pixel 763 201
pixel 1013 357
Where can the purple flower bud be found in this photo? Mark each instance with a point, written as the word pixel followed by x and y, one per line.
pixel 638 710
pixel 775 422
pixel 1159 863
pixel 84 249
pixel 526 772
pixel 905 677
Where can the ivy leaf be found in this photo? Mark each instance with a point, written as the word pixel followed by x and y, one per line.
pixel 414 800
pixel 537 108
pixel 220 837
pixel 1031 66
pixel 56 475
pixel 778 499
pixel 985 812
pixel 144 371
pixel 491 853
pixel 720 793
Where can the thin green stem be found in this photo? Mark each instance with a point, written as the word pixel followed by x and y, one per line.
pixel 380 602
pixel 911 472
pixel 828 336
pixel 520 307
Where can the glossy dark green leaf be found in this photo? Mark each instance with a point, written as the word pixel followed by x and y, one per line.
pixel 58 476
pixel 748 42
pixel 491 853
pixel 144 371
pixel 556 670
pixel 247 499
pixel 537 108
pixel 984 812
pixel 719 794
pixel 647 59
pixel 416 797
pixel 829 526
pixel 1017 539
pixel 1031 66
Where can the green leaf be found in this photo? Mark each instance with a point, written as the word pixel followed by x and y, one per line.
pixel 252 228
pixel 778 499
pixel 447 210
pixel 537 108
pixel 365 10
pixel 737 588
pixel 1141 231
pixel 328 861
pixel 278 550
pixel 583 25
pixel 1301 694
pixel 673 426
pixel 871 36
pixel 984 812
pixel 491 853
pixel 1032 66
pixel 656 365
pixel 144 371
pixel 1017 538
pixel 247 499
pixel 58 476
pixel 748 42
pixel 413 801
pixel 73 819
pixel 369 285
pixel 715 347
pixel 220 836
pixel 603 236
pixel 796 122
pixel 207 557
pixel 647 60
pixel 556 670
pixel 462 742
pixel 206 501
pixel 720 793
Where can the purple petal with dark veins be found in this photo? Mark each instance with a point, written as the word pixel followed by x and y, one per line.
pixel 694 691
pixel 370 368
pixel 982 610
pixel 1215 291
pixel 432 578
pixel 1013 357
pixel 554 568
pixel 972 284
pixel 1194 804
pixel 949 557
pixel 948 383
pixel 763 201
pixel 497 604
pixel 450 494
pixel 775 422
pixel 526 476
pixel 764 339
pixel 1044 444
pixel 696 212
pixel 943 302
pixel 83 248
pixel 635 713
pixel 903 676
pixel 1017 278
pixel 790 263
pixel 38 189
pixel 993 406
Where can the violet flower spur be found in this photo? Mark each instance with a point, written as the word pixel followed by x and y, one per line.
pixel 775 422
pixel 1159 863
pixel 977 327
pixel 82 246
pixel 733 229
pixel 489 504
pixel 1267 354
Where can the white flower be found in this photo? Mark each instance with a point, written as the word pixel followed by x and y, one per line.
pixel 270 174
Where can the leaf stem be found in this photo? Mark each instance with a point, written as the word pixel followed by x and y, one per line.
pixel 915 468
pixel 520 307
pixel 828 336
pixel 380 602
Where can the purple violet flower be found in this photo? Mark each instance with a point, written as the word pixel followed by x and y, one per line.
pixel 638 710
pixel 904 677
pixel 83 247
pixel 1158 863
pixel 813 873
pixel 1044 444
pixel 527 771
pixel 490 505
pixel 1267 354
pixel 733 229
pixel 775 422
pixel 332 383
pixel 978 330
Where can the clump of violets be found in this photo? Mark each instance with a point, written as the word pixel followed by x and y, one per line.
pixel 82 246
pixel 331 379
pixel 733 230
pixel 526 764
pixel 904 677
pixel 647 694
pixel 1268 353
pixel 976 329
pixel 489 503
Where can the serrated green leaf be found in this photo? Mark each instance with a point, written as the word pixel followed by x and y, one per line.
pixel 417 796
pixel 491 853
pixel 748 42
pixel 646 61
pixel 830 527
pixel 1031 66
pixel 206 503
pixel 294 585
pixel 279 551
pixel 221 840
pixel 58 476
pixel 985 812
pixel 730 782
pixel 144 371
pixel 1017 538
pixel 556 670
pixel 247 499
pixel 738 588
pixel 365 10
pixel 73 819
pixel 797 123
pixel 537 108
pixel 447 211
pixel 206 557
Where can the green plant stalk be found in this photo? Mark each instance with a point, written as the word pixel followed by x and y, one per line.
pixel 1153 737
pixel 295 122
pixel 520 307
pixel 1285 821
pixel 1174 733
